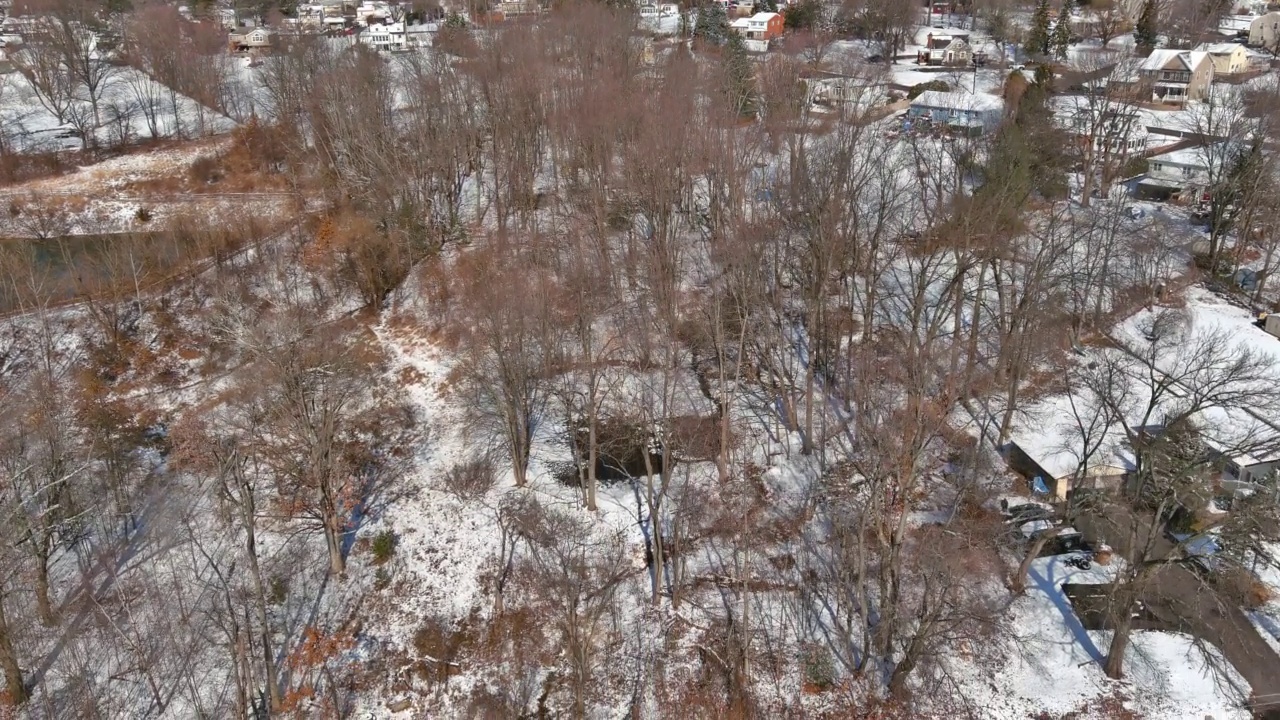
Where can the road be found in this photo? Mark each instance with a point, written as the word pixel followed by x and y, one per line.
pixel 1185 602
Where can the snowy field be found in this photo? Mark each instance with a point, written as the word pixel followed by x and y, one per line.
pixel 31 126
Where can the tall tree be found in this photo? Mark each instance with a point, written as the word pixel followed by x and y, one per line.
pixel 1060 42
pixel 739 77
pixel 712 24
pixel 1145 33
pixel 1037 41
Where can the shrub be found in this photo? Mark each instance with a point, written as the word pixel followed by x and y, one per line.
pixel 819 668
pixel 381 578
pixel 384 546
pixel 916 90
pixel 205 170
pixel 143 215
pixel 279 590
pixel 471 479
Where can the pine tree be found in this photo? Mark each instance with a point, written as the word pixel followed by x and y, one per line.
pixel 739 77
pixel 712 24
pixel 1038 38
pixel 765 6
pixel 1061 39
pixel 1144 32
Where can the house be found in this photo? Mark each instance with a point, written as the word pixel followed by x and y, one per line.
pixel 1264 31
pixel 943 49
pixel 385 38
pixel 1176 76
pixel 1115 129
pixel 1188 166
pixel 1054 445
pixel 250 40
pixel 1174 172
pixel 973 114
pixel 1247 445
pixel 1227 58
pixel 764 26
pixel 831 88
pixel 519 7
pixel 1059 473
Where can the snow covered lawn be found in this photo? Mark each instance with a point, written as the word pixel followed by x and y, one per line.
pixel 1056 665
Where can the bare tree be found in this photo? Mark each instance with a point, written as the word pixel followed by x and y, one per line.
pixel 579 573
pixel 229 455
pixel 54 88
pixel 72 29
pixel 314 388
pixel 506 349
pixel 1185 401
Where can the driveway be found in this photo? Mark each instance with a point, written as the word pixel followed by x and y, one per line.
pixel 1182 600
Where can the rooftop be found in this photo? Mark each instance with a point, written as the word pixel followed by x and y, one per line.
pixel 1218 48
pixel 958 101
pixel 1161 59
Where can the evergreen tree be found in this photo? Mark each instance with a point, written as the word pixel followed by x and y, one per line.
pixel 1038 38
pixel 1061 39
pixel 804 15
pixel 1144 32
pixel 712 24
pixel 765 6
pixel 739 77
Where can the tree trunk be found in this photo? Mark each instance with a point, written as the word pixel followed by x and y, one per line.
pixel 809 387
pixel 15 687
pixel 901 672
pixel 44 604
pixel 248 509
pixel 1119 643
pixel 592 456
pixel 333 540
pixel 1019 581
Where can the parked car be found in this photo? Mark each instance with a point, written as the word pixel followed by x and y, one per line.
pixel 1068 541
pixel 1018 515
pixel 1200 550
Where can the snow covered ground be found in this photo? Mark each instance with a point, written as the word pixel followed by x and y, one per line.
pixel 1055 665
pixel 31 126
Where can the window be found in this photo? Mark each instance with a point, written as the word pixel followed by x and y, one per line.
pixel 1156 167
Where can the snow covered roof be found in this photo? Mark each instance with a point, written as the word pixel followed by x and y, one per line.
pixel 1219 48
pixel 1235 23
pixel 1060 433
pixel 958 101
pixel 1195 156
pixel 1250 435
pixel 763 17
pixel 1161 59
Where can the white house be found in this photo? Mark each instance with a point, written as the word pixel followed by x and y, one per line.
pixel 389 38
pixel 974 113
pixel 1116 129
pixel 761 26
pixel 1185 167
pixel 1264 31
